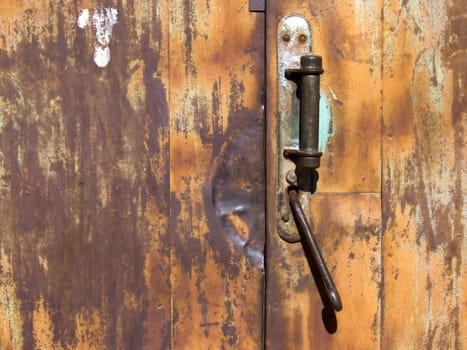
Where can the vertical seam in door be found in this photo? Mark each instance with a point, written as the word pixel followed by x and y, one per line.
pixel 265 169
pixel 169 111
pixel 382 197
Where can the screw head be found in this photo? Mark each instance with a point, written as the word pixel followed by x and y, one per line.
pixel 302 38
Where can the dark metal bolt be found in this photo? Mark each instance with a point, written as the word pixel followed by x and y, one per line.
pixel 312 61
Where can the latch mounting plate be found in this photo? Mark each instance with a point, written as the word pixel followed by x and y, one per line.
pixel 293 41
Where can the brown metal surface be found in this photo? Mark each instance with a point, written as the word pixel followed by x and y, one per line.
pixel 345 212
pixel 257 5
pixel 131 196
pixel 398 248
pixel 424 175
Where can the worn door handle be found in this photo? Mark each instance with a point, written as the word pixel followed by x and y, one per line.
pixel 316 257
pixel 307 78
pixel 298 155
pixel 307 159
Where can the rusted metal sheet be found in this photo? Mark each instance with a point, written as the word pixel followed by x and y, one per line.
pixel 347 227
pixel 217 181
pixel 349 42
pixel 346 212
pixel 424 248
pixel 131 171
pixel 402 277
pixel 84 171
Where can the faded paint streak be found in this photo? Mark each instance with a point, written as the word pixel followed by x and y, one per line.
pixel 83 18
pixel 326 126
pixel 10 321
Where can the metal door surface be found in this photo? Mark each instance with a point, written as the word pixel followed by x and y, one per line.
pixel 131 166
pixel 137 176
pixel 389 211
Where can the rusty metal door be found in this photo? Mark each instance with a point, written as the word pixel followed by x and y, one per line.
pixel 389 211
pixel 131 172
pixel 137 191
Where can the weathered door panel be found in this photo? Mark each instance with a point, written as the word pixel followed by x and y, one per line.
pixel 131 195
pixel 424 181
pixel 217 181
pixel 346 211
pixel 85 193
pixel 389 212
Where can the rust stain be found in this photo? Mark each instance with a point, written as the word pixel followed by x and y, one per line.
pixel 43 327
pixel 351 58
pixel 346 211
pixel 233 197
pixel 423 165
pixel 215 96
pixel 89 331
pixel 82 156
pixel 10 321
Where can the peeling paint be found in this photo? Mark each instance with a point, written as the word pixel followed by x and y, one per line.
pixel 43 328
pixel 101 56
pixel 326 129
pixel 83 18
pixel 290 48
pixel 10 306
pixel 103 20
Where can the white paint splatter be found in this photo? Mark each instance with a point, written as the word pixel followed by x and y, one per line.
pixel 101 56
pixel 83 18
pixel 103 19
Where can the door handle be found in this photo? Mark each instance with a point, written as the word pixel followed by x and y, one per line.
pixel 307 78
pixel 306 157
pixel 316 257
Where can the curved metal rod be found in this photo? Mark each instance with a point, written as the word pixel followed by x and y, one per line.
pixel 305 232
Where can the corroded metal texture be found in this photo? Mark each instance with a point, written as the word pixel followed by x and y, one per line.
pixel 217 164
pixel 131 195
pixel 346 211
pixel 390 211
pixel 289 50
pixel 424 175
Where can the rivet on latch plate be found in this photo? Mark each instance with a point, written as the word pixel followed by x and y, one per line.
pixel 293 41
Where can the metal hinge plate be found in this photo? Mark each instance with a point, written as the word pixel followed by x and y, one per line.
pixel 293 40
